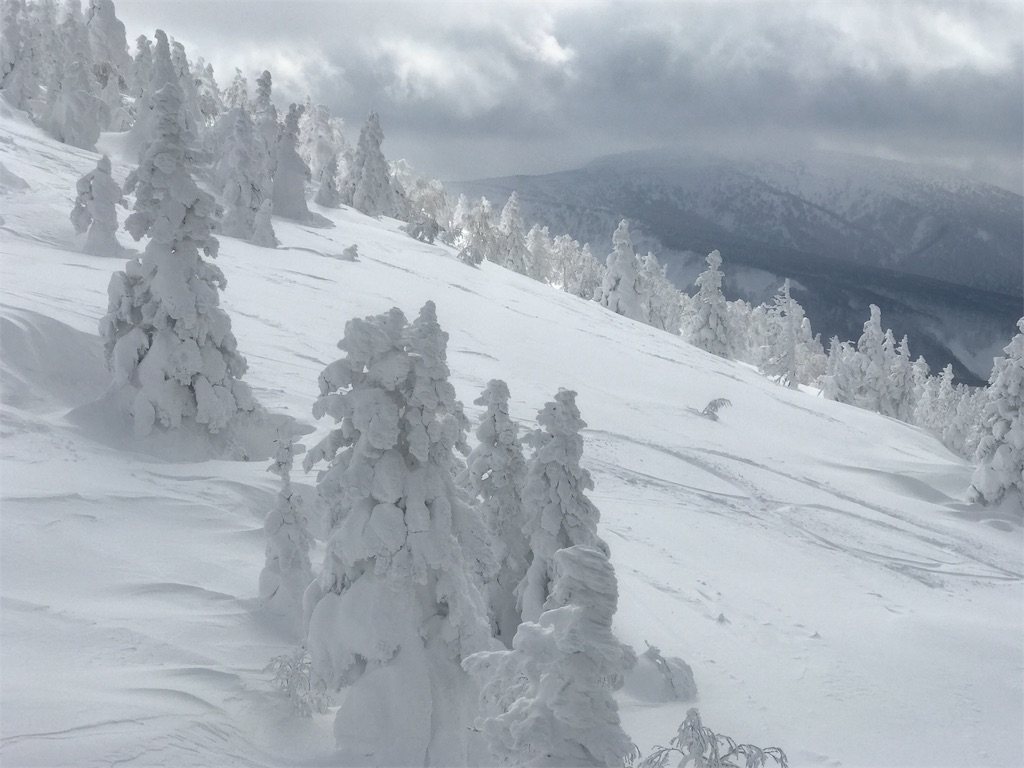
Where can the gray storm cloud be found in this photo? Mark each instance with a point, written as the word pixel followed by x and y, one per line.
pixel 476 89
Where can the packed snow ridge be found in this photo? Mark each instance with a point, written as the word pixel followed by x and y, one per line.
pixel 658 482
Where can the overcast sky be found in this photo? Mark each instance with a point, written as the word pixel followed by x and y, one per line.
pixel 471 89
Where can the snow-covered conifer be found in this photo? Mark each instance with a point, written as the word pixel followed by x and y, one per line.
pixel 398 604
pixel 147 115
pixel 291 173
pixel 783 318
pixel 263 231
pixel 1000 455
pixel 94 211
pixel 512 252
pixel 74 113
pixel 327 194
pixel 368 186
pixel 241 188
pixel 558 512
pixel 479 234
pixel 17 82
pixel 189 92
pixel 709 325
pixel 237 92
pixel 621 291
pixel 142 66
pixel 842 374
pixel 111 63
pixel 538 246
pixel 208 96
pixel 660 299
pixel 168 342
pixel 553 690
pixel 268 129
pixel 496 472
pixel 287 572
pixel 317 142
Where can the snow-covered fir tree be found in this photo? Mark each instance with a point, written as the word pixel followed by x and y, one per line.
pixel 74 113
pixel 95 213
pixel 621 291
pixel 1000 455
pixel 368 186
pixel 480 235
pixel 574 269
pixel 328 194
pixel 208 96
pixel 660 299
pixel 243 176
pixel 553 690
pixel 236 94
pixel 17 81
pixel 708 322
pixel 496 472
pixel 398 604
pixel 512 252
pixel 783 319
pixel 318 144
pixel 558 512
pixel 142 67
pixel 538 247
pixel 287 572
pixel 291 173
pixel 111 65
pixel 263 231
pixel 167 340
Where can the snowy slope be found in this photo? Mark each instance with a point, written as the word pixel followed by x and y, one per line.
pixel 815 564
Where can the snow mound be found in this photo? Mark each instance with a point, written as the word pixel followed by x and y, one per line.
pixel 47 364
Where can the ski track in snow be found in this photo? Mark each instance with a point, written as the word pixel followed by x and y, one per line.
pixel 816 565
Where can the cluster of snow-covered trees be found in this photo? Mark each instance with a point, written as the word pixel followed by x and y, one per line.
pixel 451 592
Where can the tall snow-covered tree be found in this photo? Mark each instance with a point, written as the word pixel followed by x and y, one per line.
pixel 553 690
pixel 512 252
pixel 237 92
pixel 111 64
pixel 574 269
pixel 479 237
pixel 784 318
pixel 287 572
pixel 558 512
pixel 167 340
pixel 74 113
pixel 660 299
pixel 538 246
pixel 496 472
pixel 94 212
pixel 327 193
pixel 142 66
pixel 17 81
pixel 709 323
pixel 317 141
pixel 243 177
pixel 161 73
pixel 208 96
pixel 368 186
pixel 264 115
pixel 621 291
pixel 398 604
pixel 1000 455
pixel 291 174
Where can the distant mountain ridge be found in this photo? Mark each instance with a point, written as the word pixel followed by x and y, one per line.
pixel 941 253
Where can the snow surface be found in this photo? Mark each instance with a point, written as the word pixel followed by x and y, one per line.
pixel 817 565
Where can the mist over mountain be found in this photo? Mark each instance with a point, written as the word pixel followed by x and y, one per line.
pixel 939 252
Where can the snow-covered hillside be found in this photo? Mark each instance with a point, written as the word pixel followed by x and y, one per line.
pixel 939 252
pixel 817 565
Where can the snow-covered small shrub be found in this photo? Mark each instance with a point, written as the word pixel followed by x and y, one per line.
pixel 711 409
pixel 291 675
pixel 699 746
pixel 94 211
